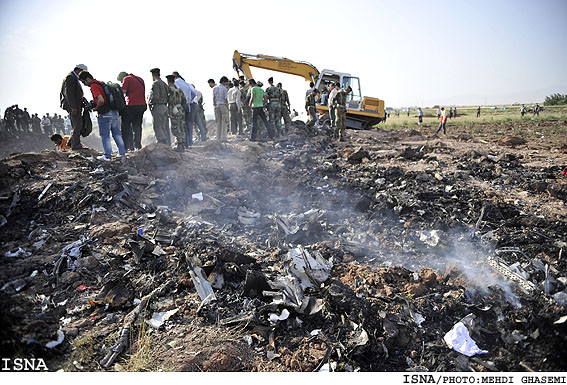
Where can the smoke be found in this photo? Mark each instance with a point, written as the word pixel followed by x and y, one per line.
pixel 284 180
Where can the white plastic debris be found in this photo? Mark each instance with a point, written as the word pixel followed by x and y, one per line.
pixel 315 332
pixel 418 318
pixel 459 340
pixel 561 320
pixel 328 367
pixel 17 253
pixel 60 338
pixel 430 238
pixel 283 316
pixel 159 318
pixel 198 196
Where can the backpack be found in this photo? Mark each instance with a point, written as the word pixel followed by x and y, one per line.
pixel 115 97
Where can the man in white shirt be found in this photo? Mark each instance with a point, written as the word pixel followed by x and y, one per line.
pixel 220 96
pixel 235 108
pixel 334 90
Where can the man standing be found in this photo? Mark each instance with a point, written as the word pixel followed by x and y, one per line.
pixel 158 106
pixel 26 119
pixel 478 112
pixel 419 115
pixel 273 94
pixel 340 105
pixel 235 108
pixel 523 110
pixel 439 113
pixel 108 119
pixel 455 112
pixel 536 110
pixel 285 107
pixel 36 124
pixel 199 121
pixel 176 109
pixel 220 96
pixel 443 121
pixel 246 110
pixel 334 89
pixel 257 99
pixel 189 93
pixel 71 100
pixel 311 108
pixel 135 91
pixel 46 125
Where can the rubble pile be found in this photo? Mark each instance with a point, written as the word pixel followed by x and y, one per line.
pixel 394 251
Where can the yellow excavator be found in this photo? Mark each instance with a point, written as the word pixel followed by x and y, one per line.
pixel 362 112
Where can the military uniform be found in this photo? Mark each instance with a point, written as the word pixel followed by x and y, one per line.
pixel 158 107
pixel 284 110
pixel 339 101
pixel 273 94
pixel 310 106
pixel 246 110
pixel 175 101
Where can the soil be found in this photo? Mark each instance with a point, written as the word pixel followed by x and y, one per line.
pixel 409 222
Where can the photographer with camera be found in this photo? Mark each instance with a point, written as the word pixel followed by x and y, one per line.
pixel 108 118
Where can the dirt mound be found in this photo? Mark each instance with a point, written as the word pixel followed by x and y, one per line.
pixel 293 255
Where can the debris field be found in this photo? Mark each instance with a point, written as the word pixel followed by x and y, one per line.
pixel 394 251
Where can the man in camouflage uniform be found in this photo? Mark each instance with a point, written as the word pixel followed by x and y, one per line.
pixel 246 110
pixel 311 108
pixel 273 94
pixel 175 101
pixel 340 105
pixel 285 107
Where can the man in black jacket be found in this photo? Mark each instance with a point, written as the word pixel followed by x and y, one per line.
pixel 71 101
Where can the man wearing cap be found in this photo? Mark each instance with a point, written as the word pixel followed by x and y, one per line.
pixel 340 106
pixel 176 110
pixel 274 95
pixel 108 119
pixel 158 106
pixel 135 91
pixel 220 96
pixel 71 98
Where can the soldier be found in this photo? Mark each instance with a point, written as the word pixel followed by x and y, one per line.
pixel 175 102
pixel 36 124
pixel 340 106
pixel 26 119
pixel 273 94
pixel 310 107
pixel 158 107
pixel 285 106
pixel 246 110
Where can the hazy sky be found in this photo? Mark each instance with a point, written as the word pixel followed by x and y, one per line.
pixel 405 52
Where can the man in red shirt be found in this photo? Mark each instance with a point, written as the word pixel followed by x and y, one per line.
pixel 135 91
pixel 108 119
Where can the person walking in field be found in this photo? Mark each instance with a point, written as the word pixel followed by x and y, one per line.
pixel 438 113
pixel 523 110
pixel 536 110
pixel 442 122
pixel 478 112
pixel 419 116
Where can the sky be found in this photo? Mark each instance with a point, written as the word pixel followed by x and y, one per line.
pixel 407 53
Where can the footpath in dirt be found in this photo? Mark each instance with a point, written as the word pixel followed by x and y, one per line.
pixel 395 251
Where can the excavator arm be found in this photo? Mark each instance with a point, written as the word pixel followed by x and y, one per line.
pixel 242 63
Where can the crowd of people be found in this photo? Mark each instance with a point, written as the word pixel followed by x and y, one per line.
pixel 241 108
pixel 17 120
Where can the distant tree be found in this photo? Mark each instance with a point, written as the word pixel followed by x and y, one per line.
pixel 555 99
